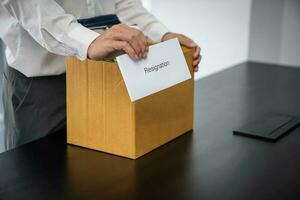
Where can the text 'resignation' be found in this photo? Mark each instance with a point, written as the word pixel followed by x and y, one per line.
pixel 155 68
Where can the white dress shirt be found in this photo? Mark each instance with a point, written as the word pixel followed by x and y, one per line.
pixel 39 33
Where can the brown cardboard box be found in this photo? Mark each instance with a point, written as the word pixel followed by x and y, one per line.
pixel 101 116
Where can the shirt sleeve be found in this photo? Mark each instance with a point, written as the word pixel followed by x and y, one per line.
pixel 51 26
pixel 132 12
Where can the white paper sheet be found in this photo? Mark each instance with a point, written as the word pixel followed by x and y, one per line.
pixel 164 67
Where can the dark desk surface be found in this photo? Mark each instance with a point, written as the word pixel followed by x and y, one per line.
pixel 209 163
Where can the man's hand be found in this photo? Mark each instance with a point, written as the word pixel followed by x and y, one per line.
pixel 185 41
pixel 117 40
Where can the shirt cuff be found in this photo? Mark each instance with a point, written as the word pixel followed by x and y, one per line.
pixel 84 37
pixel 157 31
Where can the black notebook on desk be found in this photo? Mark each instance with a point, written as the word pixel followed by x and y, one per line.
pixel 269 128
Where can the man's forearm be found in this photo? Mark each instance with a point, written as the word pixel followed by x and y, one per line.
pixel 51 26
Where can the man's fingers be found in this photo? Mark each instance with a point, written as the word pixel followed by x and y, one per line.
pixel 196 62
pixel 186 41
pixel 126 47
pixel 119 39
pixel 134 37
pixel 136 44
pixel 196 56
pixel 144 44
pixel 197 52
pixel 130 39
pixel 196 69
pixel 137 41
pixel 141 40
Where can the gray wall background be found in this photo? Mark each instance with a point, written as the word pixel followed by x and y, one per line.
pixel 234 31
pixel 275 32
pixel 220 27
pixel 2 63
